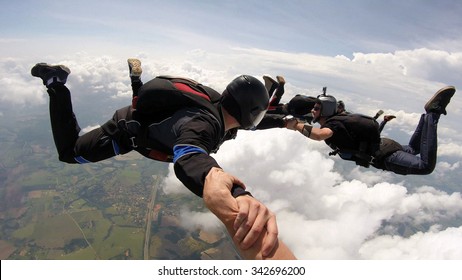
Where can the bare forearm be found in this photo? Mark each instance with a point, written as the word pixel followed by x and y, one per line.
pixel 280 251
pixel 311 132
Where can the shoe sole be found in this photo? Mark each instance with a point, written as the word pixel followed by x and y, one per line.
pixel 281 80
pixel 270 84
pixel 268 78
pixel 135 66
pixel 440 92
pixel 37 69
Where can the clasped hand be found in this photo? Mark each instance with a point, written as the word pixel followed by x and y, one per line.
pixel 246 218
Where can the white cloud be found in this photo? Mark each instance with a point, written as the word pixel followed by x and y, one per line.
pixel 171 184
pixel 15 87
pixel 204 220
pixel 368 176
pixel 450 149
pixel 322 216
pixel 430 245
pixel 414 63
pixel 429 205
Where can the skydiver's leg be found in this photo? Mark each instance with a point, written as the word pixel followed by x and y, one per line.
pixel 93 146
pixel 270 85
pixel 280 89
pixel 134 67
pixel 276 100
pixel 63 122
pixel 405 162
pixel 414 142
pixel 429 142
pixel 425 139
pixel 71 147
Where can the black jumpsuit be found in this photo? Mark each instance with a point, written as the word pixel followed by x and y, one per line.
pixel 186 137
pixel 418 157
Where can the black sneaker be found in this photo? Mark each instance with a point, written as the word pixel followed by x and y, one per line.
pixel 439 101
pixel 134 66
pixel 270 84
pixel 50 73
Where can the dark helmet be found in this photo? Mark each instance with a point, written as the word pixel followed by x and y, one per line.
pixel 328 105
pixel 247 100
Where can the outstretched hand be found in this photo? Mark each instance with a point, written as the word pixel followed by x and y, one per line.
pixel 291 123
pixel 245 217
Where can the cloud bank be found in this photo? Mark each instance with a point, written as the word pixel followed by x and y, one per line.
pixel 321 215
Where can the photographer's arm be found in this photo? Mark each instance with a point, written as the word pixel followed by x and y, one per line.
pixel 251 224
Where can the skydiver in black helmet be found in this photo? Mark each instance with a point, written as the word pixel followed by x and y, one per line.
pixel 185 137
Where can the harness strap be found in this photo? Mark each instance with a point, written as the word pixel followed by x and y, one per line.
pixel 141 140
pixel 362 156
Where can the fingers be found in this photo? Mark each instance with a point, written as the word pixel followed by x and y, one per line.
pixel 271 240
pixel 254 219
pixel 242 215
pixel 254 228
pixel 247 219
pixel 245 222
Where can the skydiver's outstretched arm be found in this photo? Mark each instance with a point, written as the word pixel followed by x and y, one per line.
pixel 250 223
pixel 309 131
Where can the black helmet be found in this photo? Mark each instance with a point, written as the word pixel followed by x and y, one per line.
pixel 247 100
pixel 328 105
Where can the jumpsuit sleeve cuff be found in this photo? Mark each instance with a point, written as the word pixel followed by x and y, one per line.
pixel 238 190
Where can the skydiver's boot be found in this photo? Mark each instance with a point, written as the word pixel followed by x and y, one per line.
pixel 378 114
pixel 134 66
pixel 281 82
pixel 270 84
pixel 50 73
pixel 437 104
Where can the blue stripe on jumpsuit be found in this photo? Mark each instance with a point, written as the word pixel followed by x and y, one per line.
pixel 181 150
pixel 82 160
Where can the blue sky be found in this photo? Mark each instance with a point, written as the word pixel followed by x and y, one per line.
pixel 390 55
pixel 321 27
